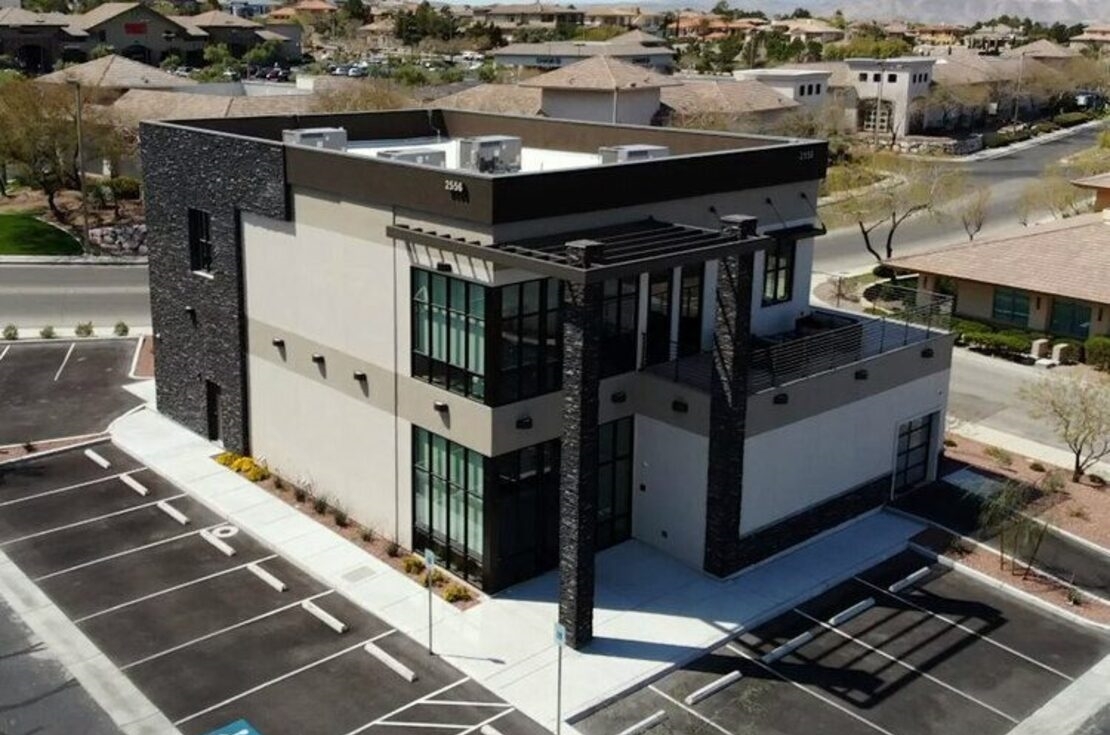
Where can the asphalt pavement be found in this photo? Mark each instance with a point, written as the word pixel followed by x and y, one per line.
pixel 63 295
pixel 842 249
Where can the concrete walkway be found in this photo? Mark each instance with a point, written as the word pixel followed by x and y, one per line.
pixel 1080 709
pixel 652 613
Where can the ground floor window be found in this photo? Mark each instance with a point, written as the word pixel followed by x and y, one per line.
pixel 1070 318
pixel 614 483
pixel 911 465
pixel 1010 306
pixel 449 502
pixel 527 503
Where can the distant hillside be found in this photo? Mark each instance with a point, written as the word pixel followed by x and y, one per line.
pixel 933 11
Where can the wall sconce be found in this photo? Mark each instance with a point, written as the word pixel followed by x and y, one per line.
pixel 440 407
pixel 360 376
pixel 278 342
pixel 443 267
pixel 861 375
pixel 781 399
pixel 524 422
pixel 618 397
pixel 317 358
pixel 927 352
pixel 680 406
pixel 190 311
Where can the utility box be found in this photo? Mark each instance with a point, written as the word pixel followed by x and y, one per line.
pixel 632 152
pixel 334 139
pixel 423 156
pixel 490 154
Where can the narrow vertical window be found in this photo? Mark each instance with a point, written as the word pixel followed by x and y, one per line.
pixel 778 273
pixel 200 241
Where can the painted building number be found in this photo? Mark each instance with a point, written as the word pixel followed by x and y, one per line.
pixel 805 155
pixel 454 186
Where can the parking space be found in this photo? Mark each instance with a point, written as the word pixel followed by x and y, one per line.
pixel 211 625
pixel 62 389
pixel 902 649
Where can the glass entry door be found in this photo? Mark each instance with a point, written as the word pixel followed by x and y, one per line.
pixel 911 464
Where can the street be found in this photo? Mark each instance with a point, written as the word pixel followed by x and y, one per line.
pixel 63 295
pixel 842 249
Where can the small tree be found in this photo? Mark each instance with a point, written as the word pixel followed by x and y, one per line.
pixel 973 211
pixel 1078 409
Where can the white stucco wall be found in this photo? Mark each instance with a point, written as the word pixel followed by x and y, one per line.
pixel 781 317
pixel 807 462
pixel 671 464
pixel 633 107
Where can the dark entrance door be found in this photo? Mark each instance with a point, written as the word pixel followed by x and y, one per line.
pixel 657 343
pixel 911 465
pixel 213 409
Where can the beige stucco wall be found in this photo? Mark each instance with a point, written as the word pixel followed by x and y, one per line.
pixel 974 299
pixel 633 107
pixel 154 38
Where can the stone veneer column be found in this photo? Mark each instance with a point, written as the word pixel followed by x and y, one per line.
pixel 727 414
pixel 578 485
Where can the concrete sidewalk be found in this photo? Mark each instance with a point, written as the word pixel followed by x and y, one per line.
pixel 653 613
pixel 1025 447
pixel 1082 709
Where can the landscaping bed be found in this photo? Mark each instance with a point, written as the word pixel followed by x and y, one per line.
pixel 446 585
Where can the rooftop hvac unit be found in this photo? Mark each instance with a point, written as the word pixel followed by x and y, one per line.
pixel 632 152
pixel 422 156
pixel 490 154
pixel 334 139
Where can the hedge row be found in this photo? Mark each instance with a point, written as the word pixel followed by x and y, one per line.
pixel 1098 352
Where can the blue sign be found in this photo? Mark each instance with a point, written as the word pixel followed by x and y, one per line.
pixel 560 635
pixel 239 727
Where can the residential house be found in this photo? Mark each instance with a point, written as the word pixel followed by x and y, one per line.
pixel 740 105
pixel 994 38
pixel 138 32
pixel 503 99
pixel 106 79
pixel 808 88
pixel 513 17
pixel 36 41
pixel 601 89
pixel 809 30
pixel 1046 52
pixel 1050 278
pixel 622 16
pixel 569 335
pixel 1096 36
pixel 314 9
pixel 939 34
pixel 557 54
pixel 249 8
pixel 241 34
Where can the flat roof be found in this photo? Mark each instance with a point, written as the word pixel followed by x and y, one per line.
pixel 558 176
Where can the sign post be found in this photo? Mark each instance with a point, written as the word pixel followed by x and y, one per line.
pixel 429 566
pixel 560 643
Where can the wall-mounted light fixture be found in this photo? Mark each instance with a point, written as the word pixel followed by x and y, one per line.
pixel 618 397
pixel 190 311
pixel 780 399
pixel 862 374
pixel 317 358
pixel 277 342
pixel 927 352
pixel 443 267
pixel 524 422
pixel 440 406
pixel 680 406
pixel 360 376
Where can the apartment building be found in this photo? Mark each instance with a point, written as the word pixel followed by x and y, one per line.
pixel 520 341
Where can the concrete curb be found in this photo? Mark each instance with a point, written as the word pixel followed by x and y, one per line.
pixel 67 335
pixel 992 153
pixel 1009 590
pixel 889 181
pixel 106 260
pixel 86 440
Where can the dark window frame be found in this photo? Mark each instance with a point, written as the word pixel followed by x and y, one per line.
pixel 526 526
pixel 779 260
pixel 465 375
pixel 619 342
pixel 615 457
pixel 1076 328
pixel 1005 306
pixel 691 308
pixel 199 228
pixel 913 453
pixel 516 378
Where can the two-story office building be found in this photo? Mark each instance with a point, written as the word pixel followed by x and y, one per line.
pixel 521 341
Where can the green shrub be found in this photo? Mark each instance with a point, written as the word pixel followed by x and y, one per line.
pixel 950 443
pixel 1053 482
pixel 11 332
pixel 29 447
pixel 367 535
pixel 411 76
pixel 121 329
pixel 999 455
pixel 436 579
pixel 1046 126
pixel 227 458
pixel 341 518
pixel 1097 351
pixel 1096 480
pixel 1036 466
pixel 47 332
pixel 320 505
pixel 393 549
pixel 257 473
pixel 455 592
pixel 1075 597
pixel 1001 343
pixel 83 329
pixel 883 271
pixel 1071 119
pixel 1072 352
pixel 413 565
pixel 965 327
pixel 299 494
pixel 125 187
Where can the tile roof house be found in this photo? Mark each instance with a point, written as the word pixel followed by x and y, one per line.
pixel 601 89
pixel 744 104
pixel 561 53
pixel 1095 35
pixel 505 99
pixel 107 78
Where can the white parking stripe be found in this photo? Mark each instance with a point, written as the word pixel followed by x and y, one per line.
pixel 283 677
pixel 424 725
pixel 909 667
pixel 117 555
pixel 694 712
pixel 5 351
pixel 966 629
pixel 460 703
pixel 422 700
pixel 65 489
pixel 221 631
pixel 85 522
pixel 175 588
pixel 485 726
pixel 827 700
pixel 95 457
pixel 64 361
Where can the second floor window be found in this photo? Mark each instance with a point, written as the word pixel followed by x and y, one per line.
pixel 449 333
pixel 200 241
pixel 619 305
pixel 531 360
pixel 778 273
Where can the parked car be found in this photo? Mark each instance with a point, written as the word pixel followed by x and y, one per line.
pixel 341 71
pixel 356 71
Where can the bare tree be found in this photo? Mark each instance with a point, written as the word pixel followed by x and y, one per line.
pixel 1078 408
pixel 973 211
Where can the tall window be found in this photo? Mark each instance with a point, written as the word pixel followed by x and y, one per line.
pixel 527 512
pixel 448 502
pixel 619 304
pixel 200 241
pixel 449 333
pixel 531 359
pixel 657 342
pixel 614 482
pixel 778 273
pixel 1010 306
pixel 1070 318
pixel 689 309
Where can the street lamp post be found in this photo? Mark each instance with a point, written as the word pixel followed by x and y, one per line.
pixel 81 169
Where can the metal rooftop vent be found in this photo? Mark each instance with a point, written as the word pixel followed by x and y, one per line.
pixel 423 156
pixel 490 154
pixel 632 152
pixel 334 139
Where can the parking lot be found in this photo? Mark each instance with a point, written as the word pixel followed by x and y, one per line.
pixel 212 626
pixel 64 388
pixel 943 654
